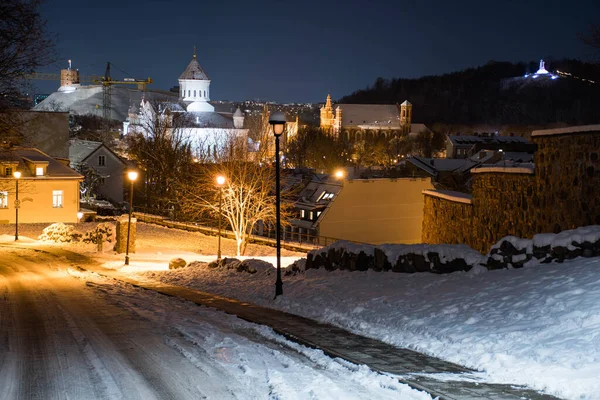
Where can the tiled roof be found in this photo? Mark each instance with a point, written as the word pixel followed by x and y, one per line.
pixel 194 71
pixel 55 168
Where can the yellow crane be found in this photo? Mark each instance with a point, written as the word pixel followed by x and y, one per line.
pixel 107 83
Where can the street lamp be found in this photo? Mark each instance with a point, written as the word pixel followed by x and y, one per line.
pixel 220 183
pixel 132 175
pixel 277 121
pixel 339 174
pixel 17 175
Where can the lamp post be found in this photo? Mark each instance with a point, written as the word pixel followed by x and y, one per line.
pixel 17 175
pixel 132 175
pixel 220 183
pixel 277 121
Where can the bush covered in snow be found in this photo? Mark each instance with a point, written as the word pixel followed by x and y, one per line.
pixel 102 233
pixel 59 233
pixel 177 263
pixel 511 251
pixel 234 263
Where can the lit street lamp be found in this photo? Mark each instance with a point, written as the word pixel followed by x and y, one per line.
pixel 339 174
pixel 220 183
pixel 277 121
pixel 132 175
pixel 17 175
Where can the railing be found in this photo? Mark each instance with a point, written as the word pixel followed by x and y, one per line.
pixel 292 241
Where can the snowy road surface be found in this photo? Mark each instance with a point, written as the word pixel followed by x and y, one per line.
pixel 68 334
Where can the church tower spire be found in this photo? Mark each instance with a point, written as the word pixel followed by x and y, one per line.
pixel 327 115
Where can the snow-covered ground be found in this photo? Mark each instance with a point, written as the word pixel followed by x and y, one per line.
pixel 537 326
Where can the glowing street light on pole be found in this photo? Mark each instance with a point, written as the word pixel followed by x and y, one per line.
pixel 220 183
pixel 132 175
pixel 17 175
pixel 277 121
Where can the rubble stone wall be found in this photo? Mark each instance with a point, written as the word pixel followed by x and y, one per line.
pixel 563 193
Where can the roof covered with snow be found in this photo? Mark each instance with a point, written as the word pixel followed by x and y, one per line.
pixel 567 130
pixel 79 150
pixel 54 169
pixel 471 140
pixel 434 165
pixel 194 71
pixel 371 114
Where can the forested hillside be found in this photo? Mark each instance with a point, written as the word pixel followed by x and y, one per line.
pixel 495 93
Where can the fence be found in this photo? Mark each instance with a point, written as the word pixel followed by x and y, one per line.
pixel 294 242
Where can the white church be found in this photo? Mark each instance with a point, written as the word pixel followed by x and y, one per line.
pixel 206 130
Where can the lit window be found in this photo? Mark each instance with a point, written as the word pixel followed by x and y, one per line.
pixel 310 216
pixel 8 171
pixel 3 199
pixel 39 171
pixel 189 93
pixel 321 196
pixel 319 213
pixel 57 198
pixel 302 213
pixel 102 161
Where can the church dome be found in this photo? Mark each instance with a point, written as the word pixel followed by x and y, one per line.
pixel 194 71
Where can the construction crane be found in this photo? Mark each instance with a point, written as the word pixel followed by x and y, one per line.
pixel 107 83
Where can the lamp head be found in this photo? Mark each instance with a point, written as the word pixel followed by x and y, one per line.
pixel 17 174
pixel 339 174
pixel 220 180
pixel 132 175
pixel 277 121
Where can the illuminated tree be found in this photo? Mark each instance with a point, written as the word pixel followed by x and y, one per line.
pixel 247 195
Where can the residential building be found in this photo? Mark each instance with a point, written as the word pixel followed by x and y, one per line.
pixel 48 187
pixel 363 210
pixel 108 166
pixel 458 146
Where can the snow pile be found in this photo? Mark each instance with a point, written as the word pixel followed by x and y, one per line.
pixel 395 257
pixel 511 251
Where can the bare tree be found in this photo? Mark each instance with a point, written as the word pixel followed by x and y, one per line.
pixel 247 195
pixel 159 146
pixel 25 45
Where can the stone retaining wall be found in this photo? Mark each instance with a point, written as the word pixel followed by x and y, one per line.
pixel 562 193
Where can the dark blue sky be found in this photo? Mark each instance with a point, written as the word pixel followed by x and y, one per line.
pixel 288 51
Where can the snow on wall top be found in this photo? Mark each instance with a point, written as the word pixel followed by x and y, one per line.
pixel 451 195
pixel 567 130
pixel 525 168
pixel 563 239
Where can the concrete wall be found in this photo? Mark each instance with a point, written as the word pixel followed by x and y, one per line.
pixel 35 196
pixel 563 192
pixel 377 211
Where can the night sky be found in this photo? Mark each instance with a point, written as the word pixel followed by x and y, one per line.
pixel 299 51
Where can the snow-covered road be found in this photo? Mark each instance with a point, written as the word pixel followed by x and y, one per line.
pixel 69 334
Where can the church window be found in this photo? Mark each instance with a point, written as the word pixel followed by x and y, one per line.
pixel 205 93
pixel 189 93
pixel 194 93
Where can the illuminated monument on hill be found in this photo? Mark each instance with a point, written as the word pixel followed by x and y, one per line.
pixel 542 72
